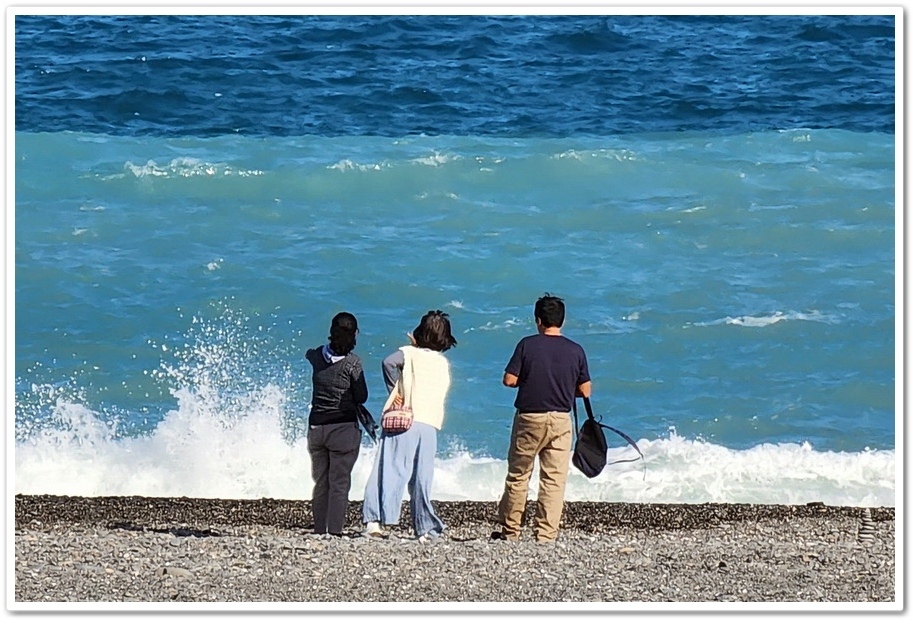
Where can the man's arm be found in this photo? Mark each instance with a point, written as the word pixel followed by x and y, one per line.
pixel 515 363
pixel 584 390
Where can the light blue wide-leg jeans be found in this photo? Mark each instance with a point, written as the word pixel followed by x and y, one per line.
pixel 405 460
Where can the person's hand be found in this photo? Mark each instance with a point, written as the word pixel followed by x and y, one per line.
pixel 397 402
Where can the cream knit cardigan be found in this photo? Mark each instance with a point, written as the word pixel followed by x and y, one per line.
pixel 426 380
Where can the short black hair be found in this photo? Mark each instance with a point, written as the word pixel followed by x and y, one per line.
pixel 550 310
pixel 434 331
pixel 343 333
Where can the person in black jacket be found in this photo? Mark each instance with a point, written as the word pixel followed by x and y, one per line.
pixel 338 391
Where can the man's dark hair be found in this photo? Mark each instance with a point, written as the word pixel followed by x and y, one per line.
pixel 434 332
pixel 550 310
pixel 343 333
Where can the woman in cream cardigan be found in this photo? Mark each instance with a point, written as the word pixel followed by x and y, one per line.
pixel 406 459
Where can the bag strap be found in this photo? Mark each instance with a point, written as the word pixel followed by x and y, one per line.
pixel 588 410
pixel 628 440
pixel 402 387
pixel 575 418
pixel 591 416
pixel 407 375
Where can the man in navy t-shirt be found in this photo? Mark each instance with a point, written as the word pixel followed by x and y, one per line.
pixel 549 370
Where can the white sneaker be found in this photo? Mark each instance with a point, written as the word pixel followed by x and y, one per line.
pixel 373 529
pixel 430 537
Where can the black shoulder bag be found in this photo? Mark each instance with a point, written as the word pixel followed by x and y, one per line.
pixel 590 451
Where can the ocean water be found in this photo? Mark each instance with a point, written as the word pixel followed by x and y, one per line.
pixel 713 196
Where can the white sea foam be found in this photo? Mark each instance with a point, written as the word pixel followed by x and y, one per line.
pixel 769 319
pixel 499 326
pixel 612 325
pixel 187 167
pixel 348 165
pixel 436 160
pixel 569 154
pixel 619 155
pixel 446 195
pixel 248 454
pixel 763 321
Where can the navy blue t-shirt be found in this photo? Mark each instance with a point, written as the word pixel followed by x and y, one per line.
pixel 549 368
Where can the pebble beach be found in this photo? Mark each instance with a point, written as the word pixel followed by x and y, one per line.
pixel 136 551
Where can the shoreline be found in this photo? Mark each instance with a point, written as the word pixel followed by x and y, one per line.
pixel 578 515
pixel 137 551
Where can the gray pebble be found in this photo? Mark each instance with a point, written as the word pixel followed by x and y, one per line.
pixel 101 549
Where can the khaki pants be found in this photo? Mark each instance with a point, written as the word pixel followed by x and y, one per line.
pixel 547 437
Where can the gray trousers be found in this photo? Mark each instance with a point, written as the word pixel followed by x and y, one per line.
pixel 333 449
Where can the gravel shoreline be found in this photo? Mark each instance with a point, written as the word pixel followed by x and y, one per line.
pixel 136 551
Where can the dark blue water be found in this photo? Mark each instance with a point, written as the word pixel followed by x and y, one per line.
pixel 526 76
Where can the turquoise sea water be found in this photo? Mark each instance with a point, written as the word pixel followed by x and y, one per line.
pixel 733 285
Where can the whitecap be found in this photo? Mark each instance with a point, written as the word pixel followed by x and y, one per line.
pixel 436 159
